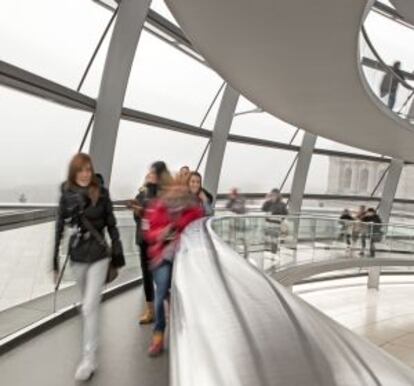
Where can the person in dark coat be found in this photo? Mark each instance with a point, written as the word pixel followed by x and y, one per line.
pixel 274 204
pixel 345 221
pixel 156 180
pixel 372 230
pixel 390 83
pixel 85 201
pixel 236 202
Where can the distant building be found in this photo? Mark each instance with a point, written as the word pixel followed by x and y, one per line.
pixel 359 177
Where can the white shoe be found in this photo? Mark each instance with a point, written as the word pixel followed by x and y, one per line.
pixel 86 368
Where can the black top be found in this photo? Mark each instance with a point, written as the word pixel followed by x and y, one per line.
pixel 147 193
pixel 347 217
pixel 208 195
pixel 236 205
pixel 374 218
pixel 83 247
pixel 275 207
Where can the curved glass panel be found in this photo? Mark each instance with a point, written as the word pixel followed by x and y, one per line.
pixel 250 121
pixel 169 83
pixel 384 44
pixel 51 38
pixel 392 40
pixel 37 140
pixel 258 174
pixel 344 176
pixel 139 145
pixel 93 79
pixel 406 183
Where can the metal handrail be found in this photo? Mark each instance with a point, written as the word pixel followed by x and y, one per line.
pixel 310 217
pixel 231 339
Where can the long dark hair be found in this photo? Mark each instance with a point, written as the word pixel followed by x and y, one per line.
pixel 196 174
pixel 163 174
pixel 78 162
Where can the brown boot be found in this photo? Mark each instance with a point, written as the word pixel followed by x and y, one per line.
pixel 148 315
pixel 157 344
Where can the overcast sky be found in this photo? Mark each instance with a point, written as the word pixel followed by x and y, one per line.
pixel 55 38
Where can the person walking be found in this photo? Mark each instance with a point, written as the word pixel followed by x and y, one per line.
pixel 373 231
pixel 156 180
pixel 85 206
pixel 274 204
pixel 167 217
pixel 390 83
pixel 345 221
pixel 276 207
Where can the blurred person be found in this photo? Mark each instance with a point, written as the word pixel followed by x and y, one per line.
pixel 157 179
pixel 358 227
pixel 85 205
pixel 276 207
pixel 390 83
pixel 274 204
pixel 167 217
pixel 372 230
pixel 361 212
pixel 146 193
pixel 164 177
pixel 345 221
pixel 236 202
pixel 196 188
pixel 184 173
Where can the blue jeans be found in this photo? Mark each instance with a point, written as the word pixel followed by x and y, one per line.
pixel 162 279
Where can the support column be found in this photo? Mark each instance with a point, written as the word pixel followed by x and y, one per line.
pixel 384 210
pixel 121 53
pixel 390 189
pixel 374 274
pixel 301 173
pixel 219 139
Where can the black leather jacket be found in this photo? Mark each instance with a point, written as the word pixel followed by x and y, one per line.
pixel 147 193
pixel 83 247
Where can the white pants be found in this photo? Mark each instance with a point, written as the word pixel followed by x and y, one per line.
pixel 90 279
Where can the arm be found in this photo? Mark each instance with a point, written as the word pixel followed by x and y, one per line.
pixel 206 203
pixel 59 228
pixel 209 196
pixel 158 221
pixel 118 259
pixel 208 210
pixel 188 216
pixel 138 206
pixel 266 206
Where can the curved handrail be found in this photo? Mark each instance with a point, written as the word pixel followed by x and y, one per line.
pixel 297 273
pixel 323 217
pixel 233 325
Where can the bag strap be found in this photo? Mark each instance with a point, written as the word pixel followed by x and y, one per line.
pixel 101 240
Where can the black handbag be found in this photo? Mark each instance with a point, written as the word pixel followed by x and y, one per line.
pixel 112 273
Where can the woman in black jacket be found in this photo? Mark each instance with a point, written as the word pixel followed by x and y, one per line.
pixel 85 206
pixel 155 181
